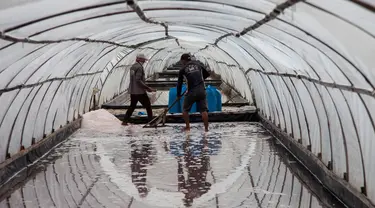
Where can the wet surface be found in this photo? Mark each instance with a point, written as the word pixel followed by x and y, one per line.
pixel 233 165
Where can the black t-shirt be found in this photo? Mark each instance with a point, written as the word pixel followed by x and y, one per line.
pixel 195 73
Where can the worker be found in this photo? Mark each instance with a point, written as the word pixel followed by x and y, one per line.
pixel 138 89
pixel 195 74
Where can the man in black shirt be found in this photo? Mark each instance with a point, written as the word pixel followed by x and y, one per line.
pixel 195 74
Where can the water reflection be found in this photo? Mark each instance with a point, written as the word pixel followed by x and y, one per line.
pixel 193 162
pixel 142 156
pixel 196 160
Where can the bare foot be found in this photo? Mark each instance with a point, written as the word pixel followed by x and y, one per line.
pixel 186 128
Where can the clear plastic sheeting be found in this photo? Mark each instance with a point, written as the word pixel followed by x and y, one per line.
pixel 308 66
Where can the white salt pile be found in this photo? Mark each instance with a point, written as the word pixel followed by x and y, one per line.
pixel 102 121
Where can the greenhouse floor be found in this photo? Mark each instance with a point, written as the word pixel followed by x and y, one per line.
pixel 107 165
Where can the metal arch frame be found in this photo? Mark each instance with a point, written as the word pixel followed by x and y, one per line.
pixel 239 66
pixel 92 65
pixel 349 88
pixel 351 113
pixel 368 92
pixel 114 67
pixel 321 98
pixel 291 94
pixel 343 95
pixel 95 73
pixel 24 86
pixel 6 112
pixel 311 97
pixel 149 42
pixel 339 17
pixel 35 21
pixel 33 51
pixel 46 92
pixel 329 47
pixel 261 54
pixel 358 2
pixel 317 116
pixel 272 15
pixel 21 107
pixel 304 82
pixel 85 87
pixel 256 25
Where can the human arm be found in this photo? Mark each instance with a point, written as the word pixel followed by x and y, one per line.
pixel 139 78
pixel 179 82
pixel 205 72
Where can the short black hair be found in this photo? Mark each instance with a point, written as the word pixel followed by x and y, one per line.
pixel 185 57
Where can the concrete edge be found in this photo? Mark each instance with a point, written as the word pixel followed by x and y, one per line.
pixel 19 163
pixel 339 187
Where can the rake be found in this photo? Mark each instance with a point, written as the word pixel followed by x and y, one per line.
pixel 163 116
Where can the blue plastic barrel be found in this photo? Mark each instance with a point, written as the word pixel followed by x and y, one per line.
pixel 172 97
pixel 211 99
pixel 219 103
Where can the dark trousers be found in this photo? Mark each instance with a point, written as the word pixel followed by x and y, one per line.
pixel 144 100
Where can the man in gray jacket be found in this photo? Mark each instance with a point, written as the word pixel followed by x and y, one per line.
pixel 138 88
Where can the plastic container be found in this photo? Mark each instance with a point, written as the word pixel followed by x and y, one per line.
pixel 211 99
pixel 177 108
pixel 172 97
pixel 219 103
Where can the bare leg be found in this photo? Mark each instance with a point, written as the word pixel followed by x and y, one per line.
pixel 185 114
pixel 205 120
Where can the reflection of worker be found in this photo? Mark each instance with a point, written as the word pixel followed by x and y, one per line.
pixel 138 88
pixel 195 74
pixel 141 157
pixel 197 162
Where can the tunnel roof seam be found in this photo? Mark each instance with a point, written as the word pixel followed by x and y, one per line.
pixel 88 40
pixel 138 10
pixel 269 17
pixel 317 81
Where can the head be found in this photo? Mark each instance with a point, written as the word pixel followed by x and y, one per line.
pixel 185 58
pixel 141 58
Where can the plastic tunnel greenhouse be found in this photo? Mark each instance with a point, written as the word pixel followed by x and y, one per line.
pixel 307 65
